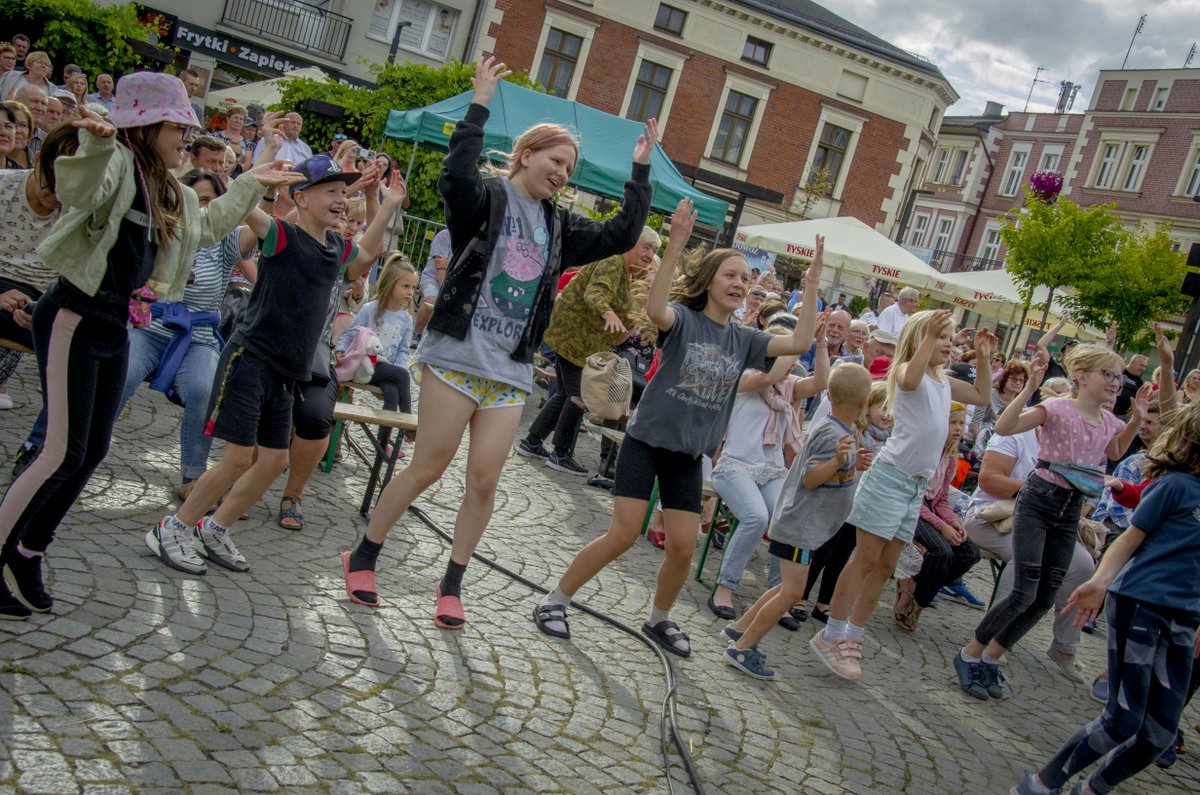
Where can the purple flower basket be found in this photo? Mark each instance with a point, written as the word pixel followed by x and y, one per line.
pixel 1046 185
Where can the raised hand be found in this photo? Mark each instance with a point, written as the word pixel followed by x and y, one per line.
pixel 819 329
pixel 645 142
pixel 1037 369
pixel 1166 353
pixel 812 276
pixel 682 222
pixel 1141 402
pixel 276 174
pixel 943 321
pixel 985 345
pixel 93 123
pixel 844 446
pixel 396 191
pixel 272 136
pixel 488 74
pixel 367 182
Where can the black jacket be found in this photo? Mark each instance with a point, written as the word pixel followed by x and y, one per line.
pixel 475 208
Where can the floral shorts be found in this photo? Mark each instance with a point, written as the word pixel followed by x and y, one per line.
pixel 488 394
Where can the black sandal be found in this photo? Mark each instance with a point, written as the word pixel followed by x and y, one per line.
pixel 723 612
pixel 545 613
pixel 666 634
pixel 820 615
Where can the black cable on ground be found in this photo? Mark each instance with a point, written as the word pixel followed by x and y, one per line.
pixel 668 723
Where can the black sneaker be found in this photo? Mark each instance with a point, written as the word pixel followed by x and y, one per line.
pixel 10 608
pixel 532 450
pixel 565 463
pixel 24 577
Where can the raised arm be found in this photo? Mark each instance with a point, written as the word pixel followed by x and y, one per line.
pixel 981 393
pixel 801 339
pixel 370 247
pixel 1044 343
pixel 1014 419
pixel 1137 415
pixel 682 223
pixel 756 380
pixel 912 371
pixel 1166 371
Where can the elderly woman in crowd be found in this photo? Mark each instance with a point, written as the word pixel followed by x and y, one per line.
pixel 1011 381
pixel 8 136
pixel 592 314
pixel 22 132
pixel 39 68
pixel 235 135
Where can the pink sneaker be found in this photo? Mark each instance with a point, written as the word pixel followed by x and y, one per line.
pixel 844 657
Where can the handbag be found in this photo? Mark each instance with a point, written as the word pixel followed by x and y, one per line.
pixel 639 365
pixel 606 385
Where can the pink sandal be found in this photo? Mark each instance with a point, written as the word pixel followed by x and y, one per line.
pixel 361 581
pixel 448 607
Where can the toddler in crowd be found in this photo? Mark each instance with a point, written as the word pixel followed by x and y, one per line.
pixel 815 500
pixel 389 316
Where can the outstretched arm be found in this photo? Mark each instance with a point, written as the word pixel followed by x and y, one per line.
pixel 801 338
pixel 682 223
pixel 371 244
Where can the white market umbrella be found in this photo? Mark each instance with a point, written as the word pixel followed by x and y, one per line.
pixel 264 92
pixel 1000 285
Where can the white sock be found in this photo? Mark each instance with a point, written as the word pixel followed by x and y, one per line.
pixel 966 657
pixel 989 659
pixel 1041 788
pixel 854 633
pixel 212 527
pixel 658 616
pixel 835 630
pixel 557 597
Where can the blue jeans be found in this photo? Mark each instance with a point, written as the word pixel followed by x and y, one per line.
pixel 752 504
pixel 193 381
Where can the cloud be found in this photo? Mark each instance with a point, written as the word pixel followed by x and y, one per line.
pixel 991 51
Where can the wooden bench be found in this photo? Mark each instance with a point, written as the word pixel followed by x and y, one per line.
pixel 369 419
pixel 14 346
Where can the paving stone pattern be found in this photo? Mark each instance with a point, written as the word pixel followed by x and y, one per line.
pixel 147 680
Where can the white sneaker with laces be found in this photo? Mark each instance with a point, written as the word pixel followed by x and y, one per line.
pixel 218 547
pixel 173 546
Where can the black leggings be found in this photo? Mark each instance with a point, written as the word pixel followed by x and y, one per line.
pixel 394 382
pixel 831 557
pixel 83 362
pixel 561 414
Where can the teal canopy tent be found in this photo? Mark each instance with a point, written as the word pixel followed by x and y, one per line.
pixel 606 143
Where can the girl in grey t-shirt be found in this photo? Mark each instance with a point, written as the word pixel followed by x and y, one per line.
pixel 682 416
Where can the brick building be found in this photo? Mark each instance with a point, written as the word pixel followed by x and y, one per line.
pixel 1137 145
pixel 752 96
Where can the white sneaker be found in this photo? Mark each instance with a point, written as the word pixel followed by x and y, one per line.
pixel 5 400
pixel 174 547
pixel 219 548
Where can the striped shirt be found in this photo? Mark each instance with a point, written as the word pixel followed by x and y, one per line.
pixel 206 286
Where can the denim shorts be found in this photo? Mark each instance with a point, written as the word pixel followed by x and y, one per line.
pixel 887 502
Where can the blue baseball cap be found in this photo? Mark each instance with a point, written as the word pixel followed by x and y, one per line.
pixel 318 169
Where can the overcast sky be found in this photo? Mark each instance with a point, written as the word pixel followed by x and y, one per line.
pixel 990 50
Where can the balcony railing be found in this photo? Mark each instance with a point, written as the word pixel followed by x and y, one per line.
pixel 950 262
pixel 299 25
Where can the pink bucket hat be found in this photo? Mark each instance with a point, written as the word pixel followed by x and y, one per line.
pixel 145 98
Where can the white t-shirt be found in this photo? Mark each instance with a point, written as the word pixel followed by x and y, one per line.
pixel 892 320
pixel 1024 448
pixel 921 422
pixel 21 230
pixel 744 437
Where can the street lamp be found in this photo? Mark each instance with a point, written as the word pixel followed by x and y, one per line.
pixel 908 208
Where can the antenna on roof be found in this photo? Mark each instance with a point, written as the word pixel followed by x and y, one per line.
pixel 1190 56
pixel 1066 96
pixel 1141 24
pixel 1033 85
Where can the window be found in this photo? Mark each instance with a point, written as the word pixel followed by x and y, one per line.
pixel 1016 170
pixel 831 152
pixel 756 51
pixel 734 127
pixel 649 92
pixel 1108 164
pixel 941 241
pixel 991 245
pixel 558 61
pixel 919 229
pixel 1160 99
pixel 428 30
pixel 960 167
pixel 1051 157
pixel 939 170
pixel 1193 183
pixel 669 19
pixel 1137 163
pixel 1130 98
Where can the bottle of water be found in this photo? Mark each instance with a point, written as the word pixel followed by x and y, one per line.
pixel 960 504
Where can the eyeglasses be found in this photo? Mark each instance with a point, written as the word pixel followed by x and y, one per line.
pixel 185 132
pixel 1109 376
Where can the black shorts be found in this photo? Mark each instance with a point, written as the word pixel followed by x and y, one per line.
pixel 251 403
pixel 680 476
pixel 789 552
pixel 312 410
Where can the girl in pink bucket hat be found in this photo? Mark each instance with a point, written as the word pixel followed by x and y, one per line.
pixel 128 236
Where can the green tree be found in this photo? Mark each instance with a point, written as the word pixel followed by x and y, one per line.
pixel 1140 287
pixel 398 87
pixel 1059 244
pixel 83 32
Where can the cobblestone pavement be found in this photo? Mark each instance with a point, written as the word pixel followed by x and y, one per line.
pixel 147 680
